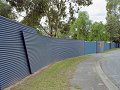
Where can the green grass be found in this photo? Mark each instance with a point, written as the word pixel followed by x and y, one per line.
pixel 55 77
pixel 111 50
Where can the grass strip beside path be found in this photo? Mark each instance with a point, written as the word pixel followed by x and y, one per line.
pixel 110 50
pixel 55 77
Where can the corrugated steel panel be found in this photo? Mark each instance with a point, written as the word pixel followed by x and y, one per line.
pixel 113 45
pixel 44 50
pixel 106 46
pixel 90 47
pixel 99 46
pixel 15 50
pixel 13 65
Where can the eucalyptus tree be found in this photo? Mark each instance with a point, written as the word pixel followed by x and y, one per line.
pixel 80 29
pixel 6 10
pixel 48 16
pixel 99 32
pixel 113 19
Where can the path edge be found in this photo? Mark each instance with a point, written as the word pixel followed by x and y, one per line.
pixel 109 84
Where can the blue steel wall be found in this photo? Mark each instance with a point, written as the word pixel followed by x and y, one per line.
pixel 20 43
pixel 44 50
pixel 106 46
pixel 99 46
pixel 13 65
pixel 113 45
pixel 90 47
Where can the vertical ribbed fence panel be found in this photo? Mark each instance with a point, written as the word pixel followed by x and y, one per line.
pixel 13 64
pixel 90 47
pixel 44 50
pixel 99 46
pixel 113 45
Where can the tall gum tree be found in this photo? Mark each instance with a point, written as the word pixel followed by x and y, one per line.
pixel 48 16
pixel 80 29
pixel 113 19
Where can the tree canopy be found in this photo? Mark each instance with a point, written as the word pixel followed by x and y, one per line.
pixel 48 16
pixel 98 32
pixel 113 19
pixel 56 18
pixel 84 29
pixel 5 10
pixel 81 27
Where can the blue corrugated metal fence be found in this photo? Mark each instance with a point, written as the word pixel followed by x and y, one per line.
pixel 23 52
pixel 90 47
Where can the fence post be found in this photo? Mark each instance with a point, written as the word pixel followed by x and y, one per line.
pixel 84 47
pixel 99 46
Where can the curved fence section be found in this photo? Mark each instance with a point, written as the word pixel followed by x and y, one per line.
pixel 13 64
pixel 44 50
pixel 23 51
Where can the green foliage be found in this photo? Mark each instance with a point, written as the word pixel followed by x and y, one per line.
pixel 113 19
pixel 54 11
pixel 83 29
pixel 99 32
pixel 5 10
pixel 113 7
pixel 113 27
pixel 80 29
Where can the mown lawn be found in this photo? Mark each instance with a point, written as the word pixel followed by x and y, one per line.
pixel 55 77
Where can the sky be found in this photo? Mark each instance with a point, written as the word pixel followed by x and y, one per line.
pixel 97 11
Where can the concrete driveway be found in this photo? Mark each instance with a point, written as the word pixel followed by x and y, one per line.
pixel 99 72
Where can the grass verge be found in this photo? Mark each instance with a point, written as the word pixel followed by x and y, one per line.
pixel 55 77
pixel 111 50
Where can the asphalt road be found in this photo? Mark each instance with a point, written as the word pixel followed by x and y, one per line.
pixel 110 64
pixel 99 72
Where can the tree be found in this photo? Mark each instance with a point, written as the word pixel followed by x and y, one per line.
pixel 113 7
pixel 80 29
pixel 56 13
pixel 5 10
pixel 98 32
pixel 113 27
pixel 113 19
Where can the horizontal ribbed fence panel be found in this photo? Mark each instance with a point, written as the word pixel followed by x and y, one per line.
pixel 44 50
pixel 20 46
pixel 90 47
pixel 13 64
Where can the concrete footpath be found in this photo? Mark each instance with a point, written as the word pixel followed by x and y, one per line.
pixel 99 72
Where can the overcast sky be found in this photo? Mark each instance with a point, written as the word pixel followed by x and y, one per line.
pixel 97 11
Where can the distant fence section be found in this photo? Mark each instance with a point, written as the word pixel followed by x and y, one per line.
pixel 23 52
pixel 106 46
pixel 100 46
pixel 113 45
pixel 90 47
